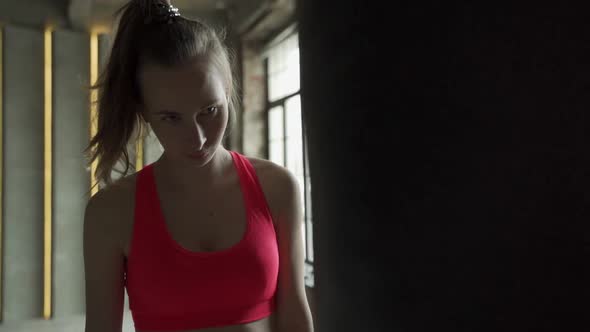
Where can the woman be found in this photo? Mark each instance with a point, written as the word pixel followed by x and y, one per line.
pixel 203 239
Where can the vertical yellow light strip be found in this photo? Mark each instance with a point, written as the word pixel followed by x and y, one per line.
pixel 93 98
pixel 139 154
pixel 48 78
pixel 1 170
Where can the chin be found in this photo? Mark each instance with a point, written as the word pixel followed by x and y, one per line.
pixel 193 159
pixel 200 158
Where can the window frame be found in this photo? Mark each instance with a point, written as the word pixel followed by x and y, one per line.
pixel 281 102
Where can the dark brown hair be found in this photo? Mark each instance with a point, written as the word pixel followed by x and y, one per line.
pixel 146 33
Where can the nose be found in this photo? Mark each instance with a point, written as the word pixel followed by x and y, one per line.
pixel 198 136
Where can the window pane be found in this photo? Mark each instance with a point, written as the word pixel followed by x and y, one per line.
pixel 303 236
pixel 294 142
pixel 294 136
pixel 275 123
pixel 309 241
pixel 283 69
pixel 308 205
pixel 308 199
pixel 276 152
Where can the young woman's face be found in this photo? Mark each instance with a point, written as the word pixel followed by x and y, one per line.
pixel 186 107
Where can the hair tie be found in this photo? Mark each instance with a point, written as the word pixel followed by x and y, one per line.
pixel 162 13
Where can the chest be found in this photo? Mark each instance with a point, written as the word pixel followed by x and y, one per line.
pixel 205 222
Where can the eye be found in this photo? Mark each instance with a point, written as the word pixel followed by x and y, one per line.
pixel 170 118
pixel 210 110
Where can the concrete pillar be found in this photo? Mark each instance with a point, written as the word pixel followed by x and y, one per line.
pixel 71 179
pixel 481 113
pixel 253 115
pixel 23 173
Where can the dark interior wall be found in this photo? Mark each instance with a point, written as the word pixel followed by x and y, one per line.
pixel 34 13
pixel 482 114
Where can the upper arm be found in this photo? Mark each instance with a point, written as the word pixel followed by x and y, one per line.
pixel 293 308
pixel 103 269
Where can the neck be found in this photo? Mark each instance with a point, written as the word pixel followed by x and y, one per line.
pixel 182 177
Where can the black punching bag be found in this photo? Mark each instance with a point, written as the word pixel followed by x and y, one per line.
pixel 448 163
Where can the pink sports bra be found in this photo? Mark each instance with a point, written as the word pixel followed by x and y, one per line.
pixel 172 288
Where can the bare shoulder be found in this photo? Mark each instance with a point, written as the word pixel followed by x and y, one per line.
pixel 279 184
pixel 273 174
pixel 106 221
pixel 110 210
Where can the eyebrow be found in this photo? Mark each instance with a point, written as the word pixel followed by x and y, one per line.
pixel 166 112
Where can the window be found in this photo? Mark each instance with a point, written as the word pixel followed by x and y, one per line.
pixel 286 133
